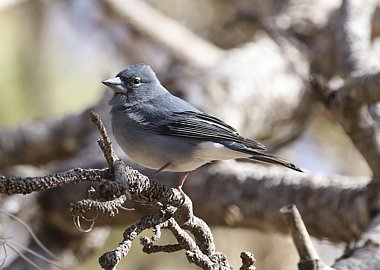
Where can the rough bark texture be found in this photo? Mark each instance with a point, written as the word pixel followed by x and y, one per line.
pixel 267 78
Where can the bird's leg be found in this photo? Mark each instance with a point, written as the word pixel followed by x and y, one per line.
pixel 161 169
pixel 181 182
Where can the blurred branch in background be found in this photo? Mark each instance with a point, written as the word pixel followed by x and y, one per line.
pixel 247 62
pixel 181 43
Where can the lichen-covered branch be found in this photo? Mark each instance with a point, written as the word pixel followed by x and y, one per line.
pixel 337 208
pixel 110 259
pixel 120 183
pixel 26 185
pixel 248 261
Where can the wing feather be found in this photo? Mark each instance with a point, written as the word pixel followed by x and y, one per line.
pixel 201 126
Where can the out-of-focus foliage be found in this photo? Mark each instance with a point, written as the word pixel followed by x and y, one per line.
pixel 50 65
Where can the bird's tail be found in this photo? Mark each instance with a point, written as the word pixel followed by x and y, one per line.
pixel 268 158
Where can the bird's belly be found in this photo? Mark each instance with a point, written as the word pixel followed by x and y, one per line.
pixel 183 154
pixel 154 151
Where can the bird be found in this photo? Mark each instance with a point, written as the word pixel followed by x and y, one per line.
pixel 166 133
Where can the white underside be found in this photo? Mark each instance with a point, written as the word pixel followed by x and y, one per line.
pixel 183 154
pixel 202 153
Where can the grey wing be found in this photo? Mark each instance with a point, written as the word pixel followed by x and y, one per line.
pixel 201 126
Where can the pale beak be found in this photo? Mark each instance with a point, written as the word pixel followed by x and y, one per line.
pixel 115 84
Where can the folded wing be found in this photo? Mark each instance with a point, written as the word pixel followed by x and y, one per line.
pixel 201 126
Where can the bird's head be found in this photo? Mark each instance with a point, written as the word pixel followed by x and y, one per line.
pixel 135 82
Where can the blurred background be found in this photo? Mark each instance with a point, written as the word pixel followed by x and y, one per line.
pixel 54 55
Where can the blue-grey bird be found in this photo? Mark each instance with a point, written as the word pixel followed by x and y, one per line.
pixel 163 132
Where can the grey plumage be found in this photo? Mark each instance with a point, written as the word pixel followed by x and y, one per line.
pixel 157 129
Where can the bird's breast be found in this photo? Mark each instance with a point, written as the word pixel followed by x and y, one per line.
pixel 154 150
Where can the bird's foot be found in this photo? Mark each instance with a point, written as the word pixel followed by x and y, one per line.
pixel 183 195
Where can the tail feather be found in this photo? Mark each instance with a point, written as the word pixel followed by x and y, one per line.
pixel 265 157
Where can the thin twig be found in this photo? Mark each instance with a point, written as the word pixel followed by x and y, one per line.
pixel 32 234
pixel 32 252
pixel 104 142
pixel 301 238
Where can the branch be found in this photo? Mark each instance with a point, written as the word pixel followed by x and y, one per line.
pixel 104 142
pixel 184 44
pixel 337 201
pixel 354 35
pixel 366 254
pixel 248 195
pixel 27 185
pixel 356 120
pixel 119 183
pixel 341 203
pixel 354 43
pixel 176 217
pixel 109 260
pixel 40 142
pixel 309 258
pixel 357 92
pixel 256 190
pixel 248 261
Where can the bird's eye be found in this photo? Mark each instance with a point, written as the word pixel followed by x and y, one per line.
pixel 136 81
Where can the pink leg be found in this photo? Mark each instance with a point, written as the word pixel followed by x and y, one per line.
pixel 181 182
